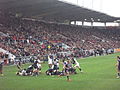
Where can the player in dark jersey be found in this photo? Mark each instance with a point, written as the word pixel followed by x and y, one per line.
pixel 118 66
pixel 37 67
pixel 67 67
pixel 1 68
pixel 19 64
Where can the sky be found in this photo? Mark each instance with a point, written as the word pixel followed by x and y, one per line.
pixel 110 7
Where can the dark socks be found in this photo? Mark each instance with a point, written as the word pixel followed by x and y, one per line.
pixel 67 77
pixel 80 69
pixel 118 74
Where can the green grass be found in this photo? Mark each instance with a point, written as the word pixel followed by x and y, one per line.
pixel 99 74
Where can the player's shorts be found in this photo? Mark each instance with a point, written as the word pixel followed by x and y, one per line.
pixel 49 62
pixel 119 68
pixel 56 67
pixel 39 66
pixel 1 69
pixel 66 70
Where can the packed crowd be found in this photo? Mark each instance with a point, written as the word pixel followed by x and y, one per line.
pixel 23 37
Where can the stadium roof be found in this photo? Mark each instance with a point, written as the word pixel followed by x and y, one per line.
pixel 53 10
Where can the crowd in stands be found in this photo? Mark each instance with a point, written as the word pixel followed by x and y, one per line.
pixel 23 37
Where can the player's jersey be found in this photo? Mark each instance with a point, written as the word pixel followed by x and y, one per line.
pixel 56 62
pixel 36 61
pixel 23 72
pixel 30 67
pixel 75 61
pixel 119 62
pixel 50 61
pixel 64 63
pixel 37 64
pixel 68 65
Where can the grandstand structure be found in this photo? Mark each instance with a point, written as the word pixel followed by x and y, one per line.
pixel 54 10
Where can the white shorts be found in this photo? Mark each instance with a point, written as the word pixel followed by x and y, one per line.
pixel 50 61
pixel 39 65
pixel 77 65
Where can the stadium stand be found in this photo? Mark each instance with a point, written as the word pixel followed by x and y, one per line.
pixel 23 37
pixel 28 37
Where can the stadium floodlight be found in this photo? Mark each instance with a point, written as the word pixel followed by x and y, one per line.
pixel 118 20
pixel 92 19
pixel 98 19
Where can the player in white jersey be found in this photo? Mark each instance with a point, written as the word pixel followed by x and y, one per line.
pixel 56 64
pixel 77 65
pixel 50 61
